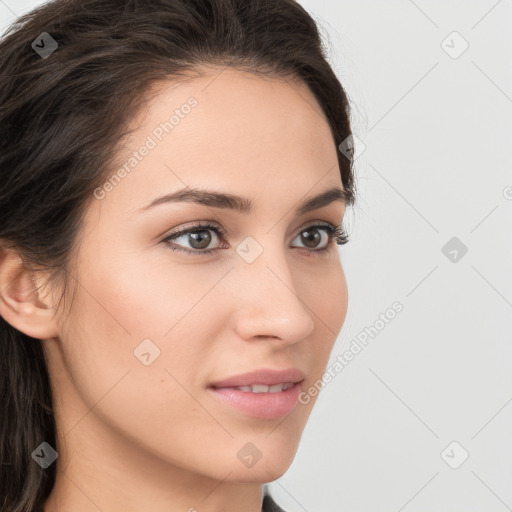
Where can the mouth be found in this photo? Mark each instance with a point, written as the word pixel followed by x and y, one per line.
pixel 261 376
pixel 264 394
pixel 262 388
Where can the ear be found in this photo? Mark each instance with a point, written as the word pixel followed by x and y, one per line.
pixel 20 304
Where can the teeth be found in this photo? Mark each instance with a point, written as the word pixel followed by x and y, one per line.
pixel 262 388
pixel 259 388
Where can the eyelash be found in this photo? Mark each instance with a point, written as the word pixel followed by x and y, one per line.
pixel 335 233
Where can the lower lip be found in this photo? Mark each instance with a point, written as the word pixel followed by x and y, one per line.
pixel 260 405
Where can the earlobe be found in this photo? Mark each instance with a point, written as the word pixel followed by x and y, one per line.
pixel 20 304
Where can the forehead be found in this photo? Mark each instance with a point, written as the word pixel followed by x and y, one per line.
pixel 230 130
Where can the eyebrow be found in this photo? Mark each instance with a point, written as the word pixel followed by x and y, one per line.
pixel 243 205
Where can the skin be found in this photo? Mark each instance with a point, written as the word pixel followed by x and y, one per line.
pixel 133 437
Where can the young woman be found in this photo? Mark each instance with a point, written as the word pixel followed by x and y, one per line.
pixel 171 196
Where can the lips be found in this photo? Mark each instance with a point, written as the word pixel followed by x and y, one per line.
pixel 262 380
pixel 264 393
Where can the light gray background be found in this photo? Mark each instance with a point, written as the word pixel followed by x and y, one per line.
pixel 436 133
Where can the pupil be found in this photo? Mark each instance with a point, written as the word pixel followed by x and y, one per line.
pixel 203 237
pixel 310 237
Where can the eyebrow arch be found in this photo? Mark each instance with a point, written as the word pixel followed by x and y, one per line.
pixel 244 205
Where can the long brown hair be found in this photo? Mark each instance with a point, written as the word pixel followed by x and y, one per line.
pixel 73 75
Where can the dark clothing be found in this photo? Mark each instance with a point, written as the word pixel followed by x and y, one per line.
pixel 269 505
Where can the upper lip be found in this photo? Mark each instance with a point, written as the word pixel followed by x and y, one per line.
pixel 261 376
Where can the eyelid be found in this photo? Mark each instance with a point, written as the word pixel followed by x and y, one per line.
pixel 195 226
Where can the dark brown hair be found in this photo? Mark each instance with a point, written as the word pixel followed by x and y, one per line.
pixel 62 116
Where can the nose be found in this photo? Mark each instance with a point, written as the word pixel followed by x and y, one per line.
pixel 267 302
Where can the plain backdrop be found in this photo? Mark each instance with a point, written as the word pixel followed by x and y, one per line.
pixel 420 419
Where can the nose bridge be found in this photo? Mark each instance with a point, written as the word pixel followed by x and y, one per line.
pixel 270 304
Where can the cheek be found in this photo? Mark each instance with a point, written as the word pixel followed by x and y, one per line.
pixel 328 304
pixel 338 299
pixel 149 404
pixel 147 296
pixel 326 296
pixel 126 311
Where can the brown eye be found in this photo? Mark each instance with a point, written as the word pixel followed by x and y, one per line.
pixel 311 237
pixel 197 237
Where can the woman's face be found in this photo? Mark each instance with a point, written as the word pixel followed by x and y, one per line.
pixel 151 329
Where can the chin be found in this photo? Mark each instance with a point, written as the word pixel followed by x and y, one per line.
pixel 266 469
pixel 261 475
